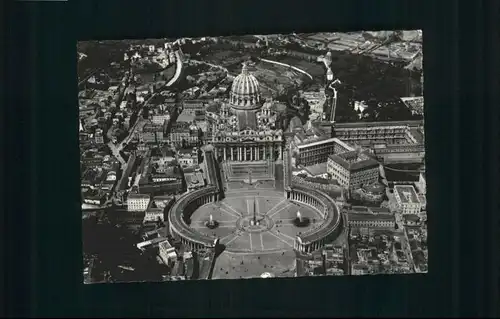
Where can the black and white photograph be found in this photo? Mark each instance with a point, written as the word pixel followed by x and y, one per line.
pixel 252 156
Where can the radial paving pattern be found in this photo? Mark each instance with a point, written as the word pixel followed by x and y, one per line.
pixel 274 229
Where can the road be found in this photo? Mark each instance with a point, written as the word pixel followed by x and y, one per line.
pixel 88 77
pixel 178 69
pixel 288 66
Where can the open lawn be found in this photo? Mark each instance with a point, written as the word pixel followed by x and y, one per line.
pixel 322 36
pixel 224 58
pixel 364 76
pixel 273 75
pixel 316 69
pixel 269 75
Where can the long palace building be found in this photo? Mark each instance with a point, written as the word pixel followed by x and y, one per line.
pixel 372 133
pixel 244 128
pixel 398 141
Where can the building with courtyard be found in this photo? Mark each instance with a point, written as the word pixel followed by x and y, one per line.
pixel 353 169
pixel 407 199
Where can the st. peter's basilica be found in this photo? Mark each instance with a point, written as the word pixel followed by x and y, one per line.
pixel 245 128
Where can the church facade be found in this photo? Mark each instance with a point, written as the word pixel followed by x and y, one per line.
pixel 245 128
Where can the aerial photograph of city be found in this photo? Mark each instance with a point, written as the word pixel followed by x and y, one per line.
pixel 252 156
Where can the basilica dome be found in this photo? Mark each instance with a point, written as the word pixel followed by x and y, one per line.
pixel 245 92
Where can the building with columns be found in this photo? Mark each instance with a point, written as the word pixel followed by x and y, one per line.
pixel 332 220
pixel 244 128
pixel 212 172
pixel 287 165
pixel 407 199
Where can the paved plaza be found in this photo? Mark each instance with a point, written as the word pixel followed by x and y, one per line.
pixel 241 266
pixel 276 215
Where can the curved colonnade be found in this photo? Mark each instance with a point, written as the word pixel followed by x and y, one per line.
pixel 332 221
pixel 181 211
pixel 310 241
